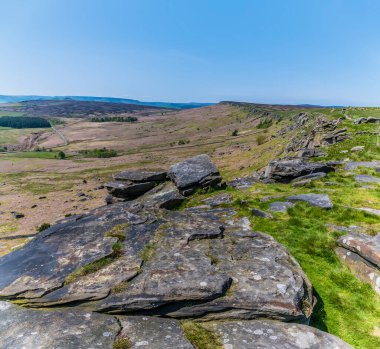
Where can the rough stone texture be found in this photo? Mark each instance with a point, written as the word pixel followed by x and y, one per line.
pixel 153 333
pixel 259 213
pixel 69 329
pixel 219 199
pixel 140 176
pixel 197 171
pixel 364 245
pixel 286 170
pixel 311 153
pixel 280 206
pixel 43 264
pixel 312 176
pixel 163 196
pixel 361 253
pixel 128 190
pixel 266 334
pixel 353 165
pixel 367 179
pixel 319 200
pixel 243 182
pixel 363 270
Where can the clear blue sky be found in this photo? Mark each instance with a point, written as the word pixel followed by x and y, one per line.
pixel 276 51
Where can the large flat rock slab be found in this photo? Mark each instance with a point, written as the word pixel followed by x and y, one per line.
pixel 165 195
pixel 197 171
pixel 265 334
pixel 128 190
pixel 286 170
pixel 353 165
pixel 69 329
pixel 367 179
pixel 153 333
pixel 318 200
pixel 42 265
pixel 140 176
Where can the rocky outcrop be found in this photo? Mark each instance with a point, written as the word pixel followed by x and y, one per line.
pixel 193 173
pixel 188 175
pixel 361 253
pixel 147 269
pixel 325 132
pixel 286 170
pixel 319 200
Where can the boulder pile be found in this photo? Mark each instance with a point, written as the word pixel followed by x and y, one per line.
pixel 189 175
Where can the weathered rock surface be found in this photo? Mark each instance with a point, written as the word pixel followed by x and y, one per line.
pixel 361 253
pixel 310 177
pixel 353 165
pixel 151 267
pixel 286 170
pixel 243 182
pixel 262 214
pixel 363 270
pixel 219 199
pixel 280 206
pixel 165 195
pixel 140 176
pixel 193 173
pixel 367 179
pixel 319 200
pixel 266 334
pixel 153 333
pixel 364 245
pixel 69 329
pixel 128 190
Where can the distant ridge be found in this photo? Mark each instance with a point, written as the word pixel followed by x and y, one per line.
pixel 16 99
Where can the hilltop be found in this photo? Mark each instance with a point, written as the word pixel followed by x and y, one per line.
pixel 17 99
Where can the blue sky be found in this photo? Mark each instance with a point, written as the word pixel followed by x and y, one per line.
pixel 269 51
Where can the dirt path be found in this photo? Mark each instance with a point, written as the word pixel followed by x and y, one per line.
pixel 61 135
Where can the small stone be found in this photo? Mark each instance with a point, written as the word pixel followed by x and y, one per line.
pixel 262 214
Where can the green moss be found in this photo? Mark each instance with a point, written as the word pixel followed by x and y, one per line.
pixel 199 336
pixel 148 251
pixel 118 231
pixel 122 343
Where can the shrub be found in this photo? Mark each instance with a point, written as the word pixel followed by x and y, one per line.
pixel 235 133
pixel 260 139
pixel 183 141
pixel 99 153
pixel 61 155
pixel 265 123
pixel 43 227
